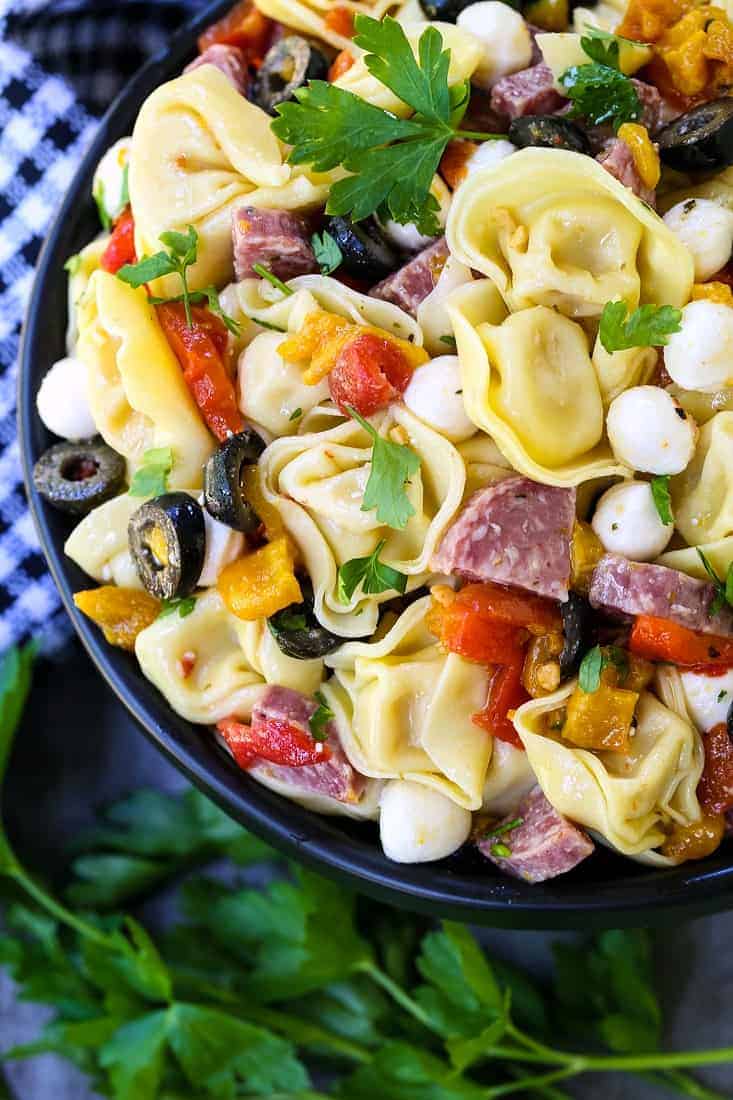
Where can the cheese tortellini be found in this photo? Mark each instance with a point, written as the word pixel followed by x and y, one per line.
pixel 86 262
pixel 631 799
pixel 137 394
pixel 99 543
pixel 316 481
pixel 310 16
pixel 576 245
pixel 198 150
pixel 703 493
pixel 403 709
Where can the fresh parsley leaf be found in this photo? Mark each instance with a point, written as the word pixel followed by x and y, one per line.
pixel 600 94
pixel 594 662
pixel 125 188
pixel 723 589
pixel 721 695
pixel 327 252
pixel 151 479
pixel 268 276
pixel 295 415
pixel 601 46
pixel 210 295
pixel 16 673
pixel 98 196
pixel 646 327
pixel 500 851
pixel 148 269
pixel 662 498
pixel 506 827
pixel 291 620
pixel 373 575
pixel 449 340
pixel 423 84
pixel 318 721
pixel 73 264
pixel 392 464
pixel 184 606
pixel 182 253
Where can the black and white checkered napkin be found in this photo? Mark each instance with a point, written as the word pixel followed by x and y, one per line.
pixel 61 64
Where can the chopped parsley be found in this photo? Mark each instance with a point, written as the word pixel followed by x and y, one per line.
pixel 662 498
pixel 601 94
pixel 151 479
pixel 327 252
pixel 371 573
pixel 184 606
pixel 646 327
pixel 391 466
pixel 272 279
pixel 723 589
pixel 594 662
pixel 319 719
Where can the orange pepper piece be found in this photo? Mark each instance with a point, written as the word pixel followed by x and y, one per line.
pixel 122 613
pixel 260 583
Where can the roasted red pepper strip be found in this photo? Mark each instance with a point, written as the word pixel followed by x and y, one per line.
pixel 340 20
pixel 715 789
pixel 275 740
pixel 121 247
pixel 485 622
pixel 244 26
pixel 341 64
pixel 662 640
pixel 505 694
pixel 199 349
pixel 369 373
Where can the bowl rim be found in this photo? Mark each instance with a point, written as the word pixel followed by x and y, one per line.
pixel 326 844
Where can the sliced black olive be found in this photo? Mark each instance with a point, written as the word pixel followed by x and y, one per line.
pixel 447 11
pixel 366 254
pixel 287 66
pixel 223 474
pixel 549 132
pixel 167 539
pixel 76 477
pixel 578 628
pixel 700 140
pixel 298 632
pixel 729 721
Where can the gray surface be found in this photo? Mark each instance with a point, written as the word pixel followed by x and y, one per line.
pixel 78 748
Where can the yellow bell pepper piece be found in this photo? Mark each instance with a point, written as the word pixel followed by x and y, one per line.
pixel 121 612
pixel 260 583
pixel 600 719
pixel 586 551
pixel 713 292
pixel 646 157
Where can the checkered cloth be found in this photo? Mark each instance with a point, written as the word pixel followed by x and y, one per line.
pixel 61 63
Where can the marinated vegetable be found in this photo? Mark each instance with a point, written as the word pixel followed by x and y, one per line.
pixel 121 612
pixel 287 66
pixel 550 132
pixel 261 583
pixel 167 538
pixel 77 477
pixel 578 631
pixel 225 495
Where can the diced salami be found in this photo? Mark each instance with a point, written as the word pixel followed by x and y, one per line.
pixel 410 286
pixel 536 51
pixel 618 160
pixel 626 588
pixel 229 60
pixel 515 532
pixel 275 238
pixel 654 110
pixel 335 778
pixel 528 92
pixel 544 845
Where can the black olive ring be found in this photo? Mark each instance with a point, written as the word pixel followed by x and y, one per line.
pixel 77 477
pixel 167 540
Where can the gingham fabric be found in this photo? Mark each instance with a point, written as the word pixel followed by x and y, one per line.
pixel 61 63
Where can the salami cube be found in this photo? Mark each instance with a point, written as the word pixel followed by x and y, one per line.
pixel 529 92
pixel 275 238
pixel 410 286
pixel 618 161
pixel 229 60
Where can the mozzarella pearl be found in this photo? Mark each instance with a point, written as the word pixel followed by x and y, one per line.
pixel 504 36
pixel 706 230
pixel 63 403
pixel 650 431
pixel 700 355
pixel 708 697
pixel 489 154
pixel 435 396
pixel 223 546
pixel 107 184
pixel 627 522
pixel 408 238
pixel 418 824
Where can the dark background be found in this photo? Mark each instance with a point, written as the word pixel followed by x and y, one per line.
pixel 77 749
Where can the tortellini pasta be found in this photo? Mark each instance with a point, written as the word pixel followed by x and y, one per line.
pixel 617 371
pixel 211 665
pixel 719 554
pixel 199 149
pixel 86 262
pixel 310 16
pixel 272 393
pixel 98 544
pixel 703 406
pixel 137 394
pixel 316 481
pixel 626 799
pixel 529 383
pixel 403 709
pixel 432 313
pixel 702 494
pixel 508 779
pixel 585 241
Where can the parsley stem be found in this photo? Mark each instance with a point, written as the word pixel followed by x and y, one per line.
pixel 528 1084
pixel 403 999
pixel 476 135
pixel 19 875
pixel 682 1082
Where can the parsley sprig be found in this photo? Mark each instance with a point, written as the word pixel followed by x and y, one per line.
pixel 255 982
pixel 594 662
pixel 605 47
pixel 392 160
pixel 662 498
pixel 723 589
pixel 320 718
pixel 392 465
pixel 151 479
pixel 184 605
pixel 646 327
pixel 327 252
pixel 371 573
pixel 601 94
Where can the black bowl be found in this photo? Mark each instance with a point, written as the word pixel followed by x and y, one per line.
pixel 604 891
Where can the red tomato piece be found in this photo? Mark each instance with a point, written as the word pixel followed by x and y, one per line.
pixel 340 20
pixel 505 695
pixel 508 605
pixel 200 351
pixel 662 640
pixel 715 789
pixel 341 64
pixel 121 247
pixel 276 740
pixel 369 373
pixel 244 26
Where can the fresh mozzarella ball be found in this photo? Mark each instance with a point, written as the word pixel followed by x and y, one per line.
pixel 505 38
pixel 418 824
pixel 706 230
pixel 108 182
pixel 408 238
pixel 700 355
pixel 63 402
pixel 708 697
pixel 650 431
pixel 627 522
pixel 435 395
pixel 223 546
pixel 489 154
